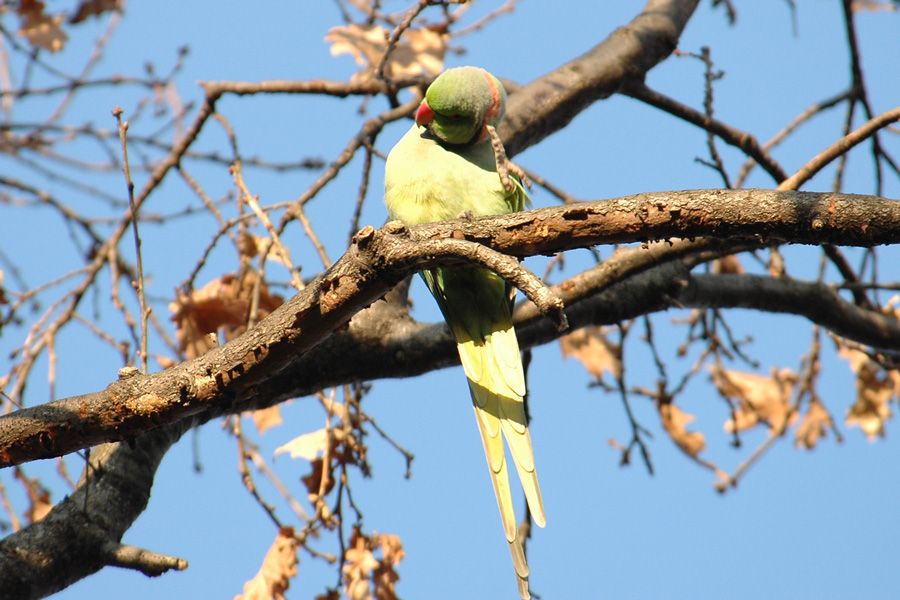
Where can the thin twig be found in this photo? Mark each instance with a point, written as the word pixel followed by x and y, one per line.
pixel 275 241
pixel 788 129
pixel 843 145
pixel 142 298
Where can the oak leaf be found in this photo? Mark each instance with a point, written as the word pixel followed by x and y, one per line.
pixel 814 425
pixel 267 418
pixel 94 8
pixel 308 446
pixel 874 390
pixel 385 576
pixel 40 29
pixel 727 265
pixel 675 422
pixel 223 303
pixel 420 52
pixel 590 347
pixel 278 568
pixel 873 5
pixel 39 503
pixel 3 298
pixel 359 563
pixel 760 399
pixel 313 480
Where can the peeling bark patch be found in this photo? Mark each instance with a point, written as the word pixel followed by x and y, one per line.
pixel 145 405
pixel 576 214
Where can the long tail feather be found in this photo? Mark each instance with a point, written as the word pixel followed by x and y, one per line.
pixel 475 305
pixel 499 409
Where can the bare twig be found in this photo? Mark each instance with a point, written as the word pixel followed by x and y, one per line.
pixel 149 563
pixel 788 129
pixel 142 296
pixel 740 139
pixel 840 147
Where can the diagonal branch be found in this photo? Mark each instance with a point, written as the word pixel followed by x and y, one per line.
pixel 550 102
pixel 740 139
pixel 840 147
pixel 234 377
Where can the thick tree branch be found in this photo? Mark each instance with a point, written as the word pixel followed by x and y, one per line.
pixel 549 103
pixel 81 534
pixel 815 301
pixel 233 377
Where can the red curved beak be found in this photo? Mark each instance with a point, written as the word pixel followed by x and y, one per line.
pixel 424 114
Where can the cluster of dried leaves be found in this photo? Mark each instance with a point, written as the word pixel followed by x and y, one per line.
pixel 278 568
pixel 44 30
pixel 366 576
pixel 332 451
pixel 223 305
pixel 775 403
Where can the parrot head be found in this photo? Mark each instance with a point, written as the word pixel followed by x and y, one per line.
pixel 460 103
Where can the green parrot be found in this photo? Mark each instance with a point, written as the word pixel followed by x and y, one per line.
pixel 446 166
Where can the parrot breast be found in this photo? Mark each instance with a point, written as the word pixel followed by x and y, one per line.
pixel 425 182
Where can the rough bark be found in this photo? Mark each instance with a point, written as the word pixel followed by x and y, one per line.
pixel 239 375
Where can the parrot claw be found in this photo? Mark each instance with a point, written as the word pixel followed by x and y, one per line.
pixel 519 172
pixel 466 215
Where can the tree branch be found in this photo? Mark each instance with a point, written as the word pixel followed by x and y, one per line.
pixel 740 139
pixel 235 376
pixel 549 103
pixel 842 146
pixel 75 538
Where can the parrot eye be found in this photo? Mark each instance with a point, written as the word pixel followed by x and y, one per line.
pixel 456 116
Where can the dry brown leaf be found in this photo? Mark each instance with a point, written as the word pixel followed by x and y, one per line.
pixel 278 567
pixel 267 418
pixel 391 548
pixel 814 425
pixel 776 264
pixel 359 563
pixel 3 298
pixel 590 346
pixel 39 509
pixel 40 29
pixel 874 391
pixel 313 480
pixel 222 303
pixel 760 398
pixel 873 5
pixel 331 594
pixel 727 265
pixel 91 8
pixel 38 497
pixel 675 422
pixel 307 446
pixel 420 52
pixel 385 576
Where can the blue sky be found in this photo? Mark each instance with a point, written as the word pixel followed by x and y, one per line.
pixel 801 525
